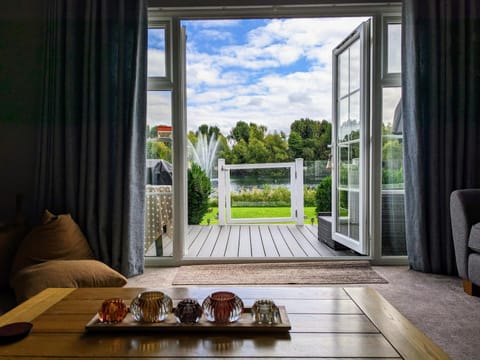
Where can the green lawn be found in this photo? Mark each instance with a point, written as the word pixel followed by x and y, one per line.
pixel 259 212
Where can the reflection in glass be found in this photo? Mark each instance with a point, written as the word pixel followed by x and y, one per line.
pixel 344 128
pixel 343 69
pixel 354 214
pixel 354 165
pixel 355 66
pixel 156 52
pixel 355 116
pixel 343 165
pixel 394 48
pixel 342 212
pixel 393 211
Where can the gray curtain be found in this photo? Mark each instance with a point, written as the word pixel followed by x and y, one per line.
pixel 441 122
pixel 91 158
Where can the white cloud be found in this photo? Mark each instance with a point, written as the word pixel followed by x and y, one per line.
pixel 159 110
pixel 214 24
pixel 247 82
pixel 156 62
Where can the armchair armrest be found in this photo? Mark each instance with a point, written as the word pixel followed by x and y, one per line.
pixel 464 213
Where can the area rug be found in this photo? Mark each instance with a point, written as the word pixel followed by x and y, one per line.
pixel 321 272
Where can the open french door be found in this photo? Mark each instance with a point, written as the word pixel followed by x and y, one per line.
pixel 351 74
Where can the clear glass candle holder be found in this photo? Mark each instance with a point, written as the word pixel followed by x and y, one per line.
pixel 222 307
pixel 151 306
pixel 264 311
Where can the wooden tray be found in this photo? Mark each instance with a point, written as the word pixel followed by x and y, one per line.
pixel 244 324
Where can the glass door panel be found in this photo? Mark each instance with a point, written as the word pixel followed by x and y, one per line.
pixel 159 193
pixel 350 117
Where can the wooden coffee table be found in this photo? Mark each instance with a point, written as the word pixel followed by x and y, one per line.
pixel 328 322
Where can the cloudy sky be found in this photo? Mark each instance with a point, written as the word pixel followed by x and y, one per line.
pixel 270 72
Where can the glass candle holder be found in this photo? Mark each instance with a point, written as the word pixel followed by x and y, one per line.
pixel 264 311
pixel 151 306
pixel 112 310
pixel 188 311
pixel 222 307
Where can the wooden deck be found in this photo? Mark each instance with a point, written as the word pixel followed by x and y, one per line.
pixel 253 241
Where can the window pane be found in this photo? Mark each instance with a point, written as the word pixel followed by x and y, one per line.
pixel 159 196
pixel 343 69
pixel 342 212
pixel 393 210
pixel 344 128
pixel 156 52
pixel 354 215
pixel 394 48
pixel 354 168
pixel 355 66
pixel 355 116
pixel 343 169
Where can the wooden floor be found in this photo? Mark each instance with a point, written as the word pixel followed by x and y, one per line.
pixel 253 241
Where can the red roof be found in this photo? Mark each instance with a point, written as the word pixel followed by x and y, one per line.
pixel 164 128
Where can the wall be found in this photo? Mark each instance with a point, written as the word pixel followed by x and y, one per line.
pixel 21 41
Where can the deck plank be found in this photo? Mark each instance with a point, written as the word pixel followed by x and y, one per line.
pixel 256 242
pixel 309 249
pixel 245 247
pixel 293 245
pixel 233 242
pixel 313 240
pixel 282 246
pixel 222 241
pixel 199 241
pixel 192 234
pixel 210 242
pixel 268 243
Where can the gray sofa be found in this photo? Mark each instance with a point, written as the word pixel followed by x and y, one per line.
pixel 465 215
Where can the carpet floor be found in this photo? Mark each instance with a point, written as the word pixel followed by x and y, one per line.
pixel 301 273
pixel 436 304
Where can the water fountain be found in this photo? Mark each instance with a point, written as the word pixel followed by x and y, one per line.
pixel 204 152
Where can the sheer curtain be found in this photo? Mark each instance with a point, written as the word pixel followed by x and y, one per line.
pixel 441 114
pixel 92 141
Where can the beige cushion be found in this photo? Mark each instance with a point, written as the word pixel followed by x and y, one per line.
pixel 10 238
pixel 57 238
pixel 64 273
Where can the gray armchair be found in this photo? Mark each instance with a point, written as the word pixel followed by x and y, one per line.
pixel 465 215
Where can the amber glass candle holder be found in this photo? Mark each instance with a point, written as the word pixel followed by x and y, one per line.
pixel 112 310
pixel 222 307
pixel 151 306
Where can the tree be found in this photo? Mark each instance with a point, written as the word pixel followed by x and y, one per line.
pixel 241 131
pixel 209 131
pixel 277 147
pixel 159 150
pixel 153 133
pixel 309 139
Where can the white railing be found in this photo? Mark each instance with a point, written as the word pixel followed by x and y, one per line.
pixel 224 192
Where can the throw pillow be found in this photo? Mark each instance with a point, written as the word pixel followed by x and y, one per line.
pixel 10 237
pixel 57 238
pixel 64 273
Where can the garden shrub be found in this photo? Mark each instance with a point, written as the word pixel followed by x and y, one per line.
pixel 309 196
pixel 199 189
pixel 267 196
pixel 324 195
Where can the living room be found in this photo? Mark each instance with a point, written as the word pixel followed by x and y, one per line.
pixel 33 158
